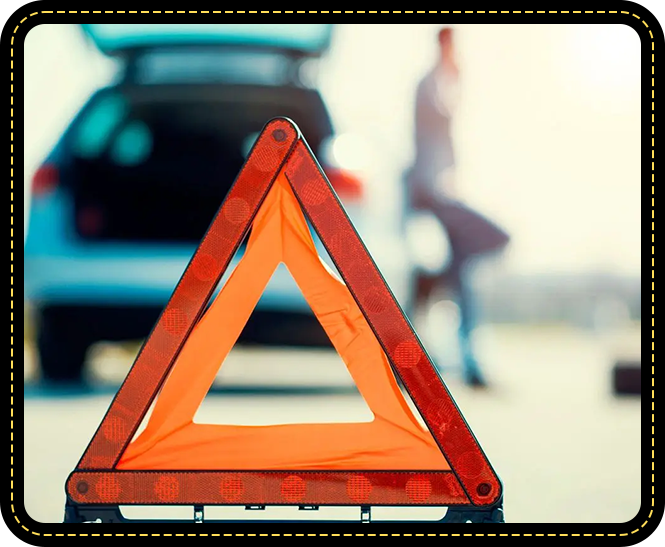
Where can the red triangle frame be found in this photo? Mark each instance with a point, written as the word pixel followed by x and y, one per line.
pixel 471 480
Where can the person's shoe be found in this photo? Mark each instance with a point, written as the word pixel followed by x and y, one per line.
pixel 475 379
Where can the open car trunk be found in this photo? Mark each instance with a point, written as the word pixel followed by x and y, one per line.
pixel 310 40
pixel 153 163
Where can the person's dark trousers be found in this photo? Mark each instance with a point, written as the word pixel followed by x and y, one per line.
pixel 472 236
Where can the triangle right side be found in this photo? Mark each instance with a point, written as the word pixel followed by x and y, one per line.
pixel 391 328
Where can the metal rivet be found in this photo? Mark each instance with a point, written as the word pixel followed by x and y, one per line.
pixel 484 489
pixel 279 135
pixel 82 487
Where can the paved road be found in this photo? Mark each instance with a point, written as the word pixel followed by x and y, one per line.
pixel 566 449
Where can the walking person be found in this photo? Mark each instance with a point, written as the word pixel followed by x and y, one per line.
pixel 431 187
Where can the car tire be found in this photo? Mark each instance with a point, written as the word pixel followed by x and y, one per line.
pixel 62 346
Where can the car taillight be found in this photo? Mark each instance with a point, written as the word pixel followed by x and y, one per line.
pixel 348 185
pixel 45 180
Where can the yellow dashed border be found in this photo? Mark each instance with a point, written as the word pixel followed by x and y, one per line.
pixel 635 531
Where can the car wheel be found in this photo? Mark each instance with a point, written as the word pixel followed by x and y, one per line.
pixel 62 347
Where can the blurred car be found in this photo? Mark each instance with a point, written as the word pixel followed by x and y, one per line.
pixel 121 202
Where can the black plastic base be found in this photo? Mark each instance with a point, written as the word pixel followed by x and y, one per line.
pixel 111 513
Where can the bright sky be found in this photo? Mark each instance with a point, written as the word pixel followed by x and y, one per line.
pixel 548 132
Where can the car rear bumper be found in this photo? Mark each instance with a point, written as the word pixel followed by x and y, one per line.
pixel 60 269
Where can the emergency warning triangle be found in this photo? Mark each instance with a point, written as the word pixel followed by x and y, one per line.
pixel 392 460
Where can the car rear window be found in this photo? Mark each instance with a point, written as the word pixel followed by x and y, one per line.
pixel 145 155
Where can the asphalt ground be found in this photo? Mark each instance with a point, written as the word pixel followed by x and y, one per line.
pixel 565 447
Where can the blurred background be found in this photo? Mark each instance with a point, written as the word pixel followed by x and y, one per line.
pixel 121 183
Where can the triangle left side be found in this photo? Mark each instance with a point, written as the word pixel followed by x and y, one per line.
pixel 192 293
